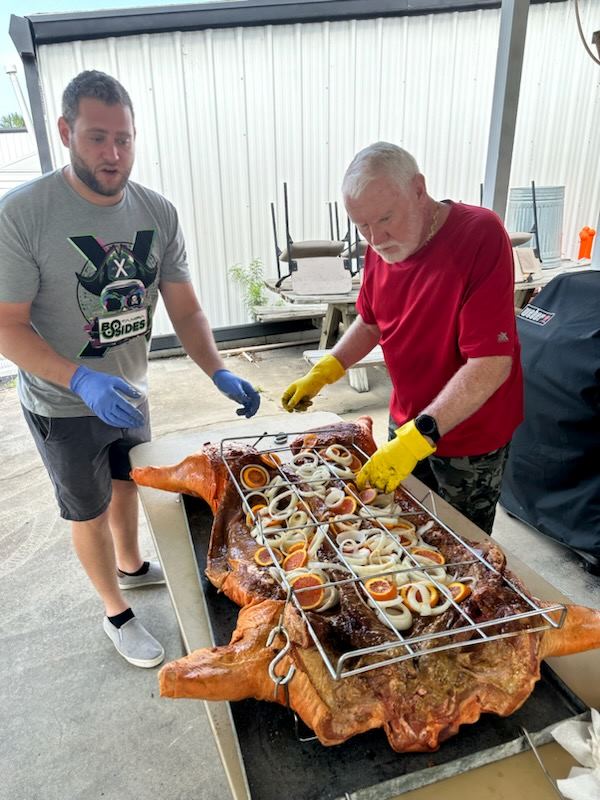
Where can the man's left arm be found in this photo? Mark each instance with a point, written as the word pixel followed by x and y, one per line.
pixel 463 395
pixel 195 334
pixel 467 390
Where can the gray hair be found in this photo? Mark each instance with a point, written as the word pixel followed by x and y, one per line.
pixel 376 160
pixel 96 85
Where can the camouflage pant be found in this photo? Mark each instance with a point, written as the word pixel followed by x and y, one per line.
pixel 469 483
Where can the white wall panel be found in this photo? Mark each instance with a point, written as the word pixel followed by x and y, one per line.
pixel 16 145
pixel 225 116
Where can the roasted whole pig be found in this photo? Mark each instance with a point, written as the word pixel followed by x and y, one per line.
pixel 366 571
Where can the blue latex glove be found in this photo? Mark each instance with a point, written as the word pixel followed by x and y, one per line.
pixel 238 390
pixel 103 394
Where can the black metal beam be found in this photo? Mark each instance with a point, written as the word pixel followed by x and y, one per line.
pixel 20 32
pixel 52 28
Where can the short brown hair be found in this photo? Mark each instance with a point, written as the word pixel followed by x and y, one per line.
pixel 97 85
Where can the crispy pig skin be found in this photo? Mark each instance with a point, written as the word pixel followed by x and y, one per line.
pixel 419 702
pixel 202 474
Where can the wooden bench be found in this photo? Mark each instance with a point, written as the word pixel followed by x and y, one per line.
pixel 357 374
pixel 287 311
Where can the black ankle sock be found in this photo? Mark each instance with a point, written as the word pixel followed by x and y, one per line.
pixel 122 618
pixel 141 571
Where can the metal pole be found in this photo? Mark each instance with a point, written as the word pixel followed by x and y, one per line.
pixel 536 249
pixel 20 33
pixel 509 64
pixel 14 79
pixel 277 250
pixel 596 251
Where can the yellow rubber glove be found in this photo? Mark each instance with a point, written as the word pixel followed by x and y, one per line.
pixel 395 460
pixel 298 395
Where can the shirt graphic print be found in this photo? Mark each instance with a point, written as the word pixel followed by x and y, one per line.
pixel 116 290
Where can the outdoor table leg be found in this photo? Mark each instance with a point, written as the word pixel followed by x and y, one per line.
pixel 329 328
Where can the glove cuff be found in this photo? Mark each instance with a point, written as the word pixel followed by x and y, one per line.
pixel 216 373
pixel 76 378
pixel 328 369
pixel 414 441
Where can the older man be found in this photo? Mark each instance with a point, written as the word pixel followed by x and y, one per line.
pixel 84 252
pixel 437 294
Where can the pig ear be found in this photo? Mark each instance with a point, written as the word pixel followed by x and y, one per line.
pixel 580 632
pixel 201 475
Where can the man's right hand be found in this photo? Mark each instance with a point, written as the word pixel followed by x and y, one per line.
pixel 298 395
pixel 103 394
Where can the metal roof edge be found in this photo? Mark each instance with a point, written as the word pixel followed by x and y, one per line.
pixel 79 26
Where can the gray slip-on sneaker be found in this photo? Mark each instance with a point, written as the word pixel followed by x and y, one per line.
pixel 153 577
pixel 134 643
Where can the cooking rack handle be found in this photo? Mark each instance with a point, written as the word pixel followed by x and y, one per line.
pixel 280 680
pixel 535 752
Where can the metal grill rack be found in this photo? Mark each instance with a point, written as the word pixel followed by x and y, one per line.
pixel 399 647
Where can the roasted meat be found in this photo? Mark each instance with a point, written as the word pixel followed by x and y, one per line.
pixel 427 583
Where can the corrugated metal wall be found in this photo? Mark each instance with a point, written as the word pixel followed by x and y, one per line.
pixel 225 116
pixel 15 145
pixel 19 161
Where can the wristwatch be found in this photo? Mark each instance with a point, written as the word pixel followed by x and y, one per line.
pixel 427 426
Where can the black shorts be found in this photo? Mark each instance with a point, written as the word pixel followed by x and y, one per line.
pixel 83 455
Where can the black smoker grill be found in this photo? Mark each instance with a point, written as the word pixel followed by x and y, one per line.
pixel 552 478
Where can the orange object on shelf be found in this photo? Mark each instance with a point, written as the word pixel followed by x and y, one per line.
pixel 586 238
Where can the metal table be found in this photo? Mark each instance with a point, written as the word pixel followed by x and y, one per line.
pixel 516 776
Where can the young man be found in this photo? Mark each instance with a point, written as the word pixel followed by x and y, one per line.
pixel 437 294
pixel 84 252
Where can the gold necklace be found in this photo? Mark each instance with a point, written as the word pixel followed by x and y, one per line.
pixel 434 220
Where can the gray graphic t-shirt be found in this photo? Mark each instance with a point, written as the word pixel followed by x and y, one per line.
pixel 92 275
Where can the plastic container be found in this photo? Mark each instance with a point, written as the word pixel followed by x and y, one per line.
pixel 549 201
pixel 586 239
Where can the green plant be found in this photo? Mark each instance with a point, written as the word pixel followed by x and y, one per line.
pixel 251 280
pixel 12 120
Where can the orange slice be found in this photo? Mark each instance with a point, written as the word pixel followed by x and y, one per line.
pixel 381 589
pixel 250 518
pixel 425 552
pixel 296 546
pixel 270 459
pixel 434 596
pixel 314 594
pixel 350 489
pixel 459 590
pixel 368 495
pixel 263 557
pixel 347 506
pixel 295 560
pixel 310 440
pixel 254 476
pixel 356 464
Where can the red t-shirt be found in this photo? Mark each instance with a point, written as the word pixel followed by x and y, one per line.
pixel 450 301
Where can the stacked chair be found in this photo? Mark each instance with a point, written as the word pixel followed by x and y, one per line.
pixel 316 266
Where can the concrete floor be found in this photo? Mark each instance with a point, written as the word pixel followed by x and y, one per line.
pixel 77 720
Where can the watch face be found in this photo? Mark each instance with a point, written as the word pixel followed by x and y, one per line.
pixel 427 426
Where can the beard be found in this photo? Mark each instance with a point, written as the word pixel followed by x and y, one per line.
pixel 396 251
pixel 412 240
pixel 85 175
